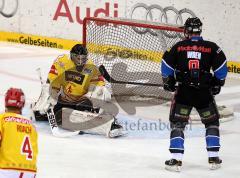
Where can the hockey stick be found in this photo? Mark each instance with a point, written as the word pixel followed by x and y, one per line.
pixel 40 75
pixel 41 80
pixel 106 75
pixel 54 127
pixel 52 120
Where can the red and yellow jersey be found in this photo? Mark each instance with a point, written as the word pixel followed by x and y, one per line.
pixel 19 143
pixel 63 74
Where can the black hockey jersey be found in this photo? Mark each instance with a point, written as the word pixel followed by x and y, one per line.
pixel 194 53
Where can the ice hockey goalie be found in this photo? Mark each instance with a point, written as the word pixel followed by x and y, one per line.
pixel 76 92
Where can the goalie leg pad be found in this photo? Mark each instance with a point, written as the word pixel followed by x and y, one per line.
pixel 84 105
pixel 98 123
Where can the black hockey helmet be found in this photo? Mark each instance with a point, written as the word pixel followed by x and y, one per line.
pixel 79 54
pixel 193 25
pixel 79 49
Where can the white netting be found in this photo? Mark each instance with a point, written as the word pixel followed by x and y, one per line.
pixel 131 51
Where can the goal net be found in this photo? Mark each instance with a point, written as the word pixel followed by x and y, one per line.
pixel 131 51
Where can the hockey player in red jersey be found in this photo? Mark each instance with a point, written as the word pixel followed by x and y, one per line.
pixel 188 63
pixel 18 139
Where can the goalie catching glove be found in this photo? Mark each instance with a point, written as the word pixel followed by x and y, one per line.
pixel 98 95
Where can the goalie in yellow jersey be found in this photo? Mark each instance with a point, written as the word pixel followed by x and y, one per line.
pixel 18 139
pixel 79 89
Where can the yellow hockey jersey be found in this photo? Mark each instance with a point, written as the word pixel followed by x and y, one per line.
pixel 19 143
pixel 63 74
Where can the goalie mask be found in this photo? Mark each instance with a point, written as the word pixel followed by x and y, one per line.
pixel 14 98
pixel 79 55
pixel 192 25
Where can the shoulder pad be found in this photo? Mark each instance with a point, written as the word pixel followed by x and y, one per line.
pixel 62 61
pixel 59 57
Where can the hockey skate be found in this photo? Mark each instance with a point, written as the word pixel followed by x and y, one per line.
pixel 173 165
pixel 116 130
pixel 214 163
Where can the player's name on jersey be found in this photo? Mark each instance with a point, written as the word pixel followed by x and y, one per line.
pixel 25 129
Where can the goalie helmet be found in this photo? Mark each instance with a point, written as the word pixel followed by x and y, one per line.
pixel 192 25
pixel 79 54
pixel 14 98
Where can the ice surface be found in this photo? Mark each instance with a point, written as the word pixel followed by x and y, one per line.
pixel 140 154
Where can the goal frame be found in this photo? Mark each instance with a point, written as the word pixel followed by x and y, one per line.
pixel 129 22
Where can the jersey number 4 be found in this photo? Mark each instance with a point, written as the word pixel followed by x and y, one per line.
pixel 26 148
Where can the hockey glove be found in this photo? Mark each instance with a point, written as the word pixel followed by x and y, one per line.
pixel 216 85
pixel 169 83
pixel 216 89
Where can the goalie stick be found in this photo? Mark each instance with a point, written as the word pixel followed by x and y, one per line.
pixel 54 127
pixel 106 75
pixel 52 120
pixel 41 81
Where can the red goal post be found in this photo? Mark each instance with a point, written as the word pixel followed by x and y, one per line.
pixel 128 22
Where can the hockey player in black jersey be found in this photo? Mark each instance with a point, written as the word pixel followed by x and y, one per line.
pixel 189 64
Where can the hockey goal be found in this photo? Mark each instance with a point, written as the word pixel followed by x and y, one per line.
pixel 131 51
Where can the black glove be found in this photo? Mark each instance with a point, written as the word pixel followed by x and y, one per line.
pixel 169 83
pixel 216 89
pixel 216 85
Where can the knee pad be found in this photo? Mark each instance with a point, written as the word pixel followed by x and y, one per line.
pixel 177 132
pixel 213 123
pixel 180 113
pixel 212 130
pixel 212 138
pixel 178 125
pixel 209 114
